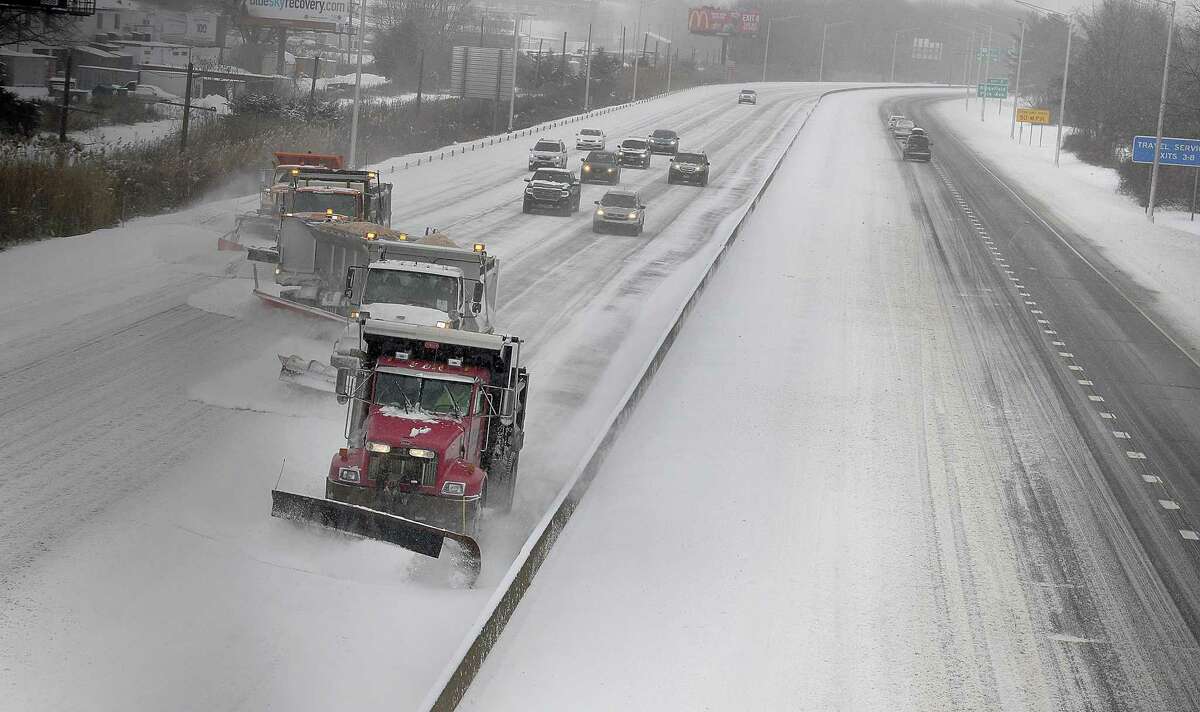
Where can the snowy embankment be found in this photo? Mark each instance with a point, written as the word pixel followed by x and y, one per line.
pixel 1163 258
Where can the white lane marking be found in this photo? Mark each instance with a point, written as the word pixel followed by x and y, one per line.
pixel 1066 354
pixel 1049 331
pixel 1043 321
pixel 1058 343
pixel 1152 479
pixel 1122 435
pixel 1075 368
pixel 1168 504
pixel 1135 455
pixel 1096 399
pixel 1107 416
pixel 1036 311
pixel 1030 303
pixel 1085 382
pixel 1024 294
pixel 1189 534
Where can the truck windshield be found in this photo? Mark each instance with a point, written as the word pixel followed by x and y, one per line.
pixel 419 289
pixel 555 176
pixel 340 203
pixel 428 395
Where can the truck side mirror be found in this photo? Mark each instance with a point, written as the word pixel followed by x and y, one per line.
pixel 477 298
pixel 344 386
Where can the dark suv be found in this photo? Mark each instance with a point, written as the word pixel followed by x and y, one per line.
pixel 600 167
pixel 663 141
pixel 551 189
pixel 689 168
pixel 917 147
pixel 634 152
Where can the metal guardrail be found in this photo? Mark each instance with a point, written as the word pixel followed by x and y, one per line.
pixel 452 685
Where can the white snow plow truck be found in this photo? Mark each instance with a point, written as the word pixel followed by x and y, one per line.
pixel 434 430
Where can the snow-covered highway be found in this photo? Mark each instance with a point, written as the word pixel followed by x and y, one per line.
pixel 143 429
pixel 868 477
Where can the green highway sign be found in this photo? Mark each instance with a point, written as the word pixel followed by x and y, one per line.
pixel 992 54
pixel 999 81
pixel 991 91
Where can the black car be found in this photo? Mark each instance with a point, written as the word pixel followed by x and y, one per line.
pixel 634 152
pixel 917 147
pixel 689 168
pixel 600 167
pixel 663 141
pixel 551 189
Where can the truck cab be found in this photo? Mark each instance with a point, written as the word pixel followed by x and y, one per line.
pixel 423 293
pixel 423 432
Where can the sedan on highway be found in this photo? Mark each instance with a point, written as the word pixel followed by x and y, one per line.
pixel 663 141
pixel 902 128
pixel 590 139
pixel 619 210
pixel 600 167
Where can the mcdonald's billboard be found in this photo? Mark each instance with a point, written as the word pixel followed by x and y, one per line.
pixel 723 22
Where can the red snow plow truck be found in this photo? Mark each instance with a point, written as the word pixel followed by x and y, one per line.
pixel 434 430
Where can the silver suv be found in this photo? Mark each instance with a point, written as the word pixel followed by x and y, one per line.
pixel 619 210
pixel 548 153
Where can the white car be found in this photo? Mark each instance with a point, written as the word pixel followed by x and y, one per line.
pixel 892 119
pixel 548 153
pixel 748 96
pixel 902 128
pixel 590 140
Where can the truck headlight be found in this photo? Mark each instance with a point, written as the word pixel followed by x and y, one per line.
pixel 600 212
pixel 379 447
pixel 456 489
pixel 632 216
pixel 422 453
pixel 587 169
pixel 349 474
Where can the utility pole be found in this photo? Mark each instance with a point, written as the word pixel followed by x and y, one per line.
pixel 767 44
pixel 1017 92
pixel 562 60
pixel 66 103
pixel 1062 100
pixel 670 50
pixel 512 97
pixel 637 60
pixel 362 22
pixel 420 78
pixel 1162 109
pixel 824 34
pixel 587 72
pixel 622 48
pixel 187 108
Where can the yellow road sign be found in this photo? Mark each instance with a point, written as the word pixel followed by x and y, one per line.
pixel 1033 116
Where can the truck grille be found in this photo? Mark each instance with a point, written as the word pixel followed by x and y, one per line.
pixel 546 194
pixel 402 469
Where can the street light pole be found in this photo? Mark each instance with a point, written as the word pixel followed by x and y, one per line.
pixel 895 41
pixel 637 58
pixel 357 86
pixel 767 44
pixel 987 74
pixel 1162 109
pixel 1017 92
pixel 1062 99
pixel 824 34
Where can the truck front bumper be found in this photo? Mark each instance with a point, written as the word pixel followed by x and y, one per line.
pixel 457 514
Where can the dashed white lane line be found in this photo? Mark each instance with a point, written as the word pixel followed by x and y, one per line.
pixel 1167 504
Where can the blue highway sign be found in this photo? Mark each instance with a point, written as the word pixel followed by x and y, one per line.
pixel 1173 152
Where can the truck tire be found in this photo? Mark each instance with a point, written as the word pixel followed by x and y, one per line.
pixel 502 484
pixel 525 207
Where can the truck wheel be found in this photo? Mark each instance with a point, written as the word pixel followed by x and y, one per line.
pixel 525 207
pixel 502 487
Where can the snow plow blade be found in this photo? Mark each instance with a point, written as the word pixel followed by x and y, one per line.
pixel 309 374
pixel 372 524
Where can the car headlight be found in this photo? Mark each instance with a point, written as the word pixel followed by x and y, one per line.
pixel 610 170
pixel 587 169
pixel 349 474
pixel 456 489
pixel 422 453
pixel 379 447
pixel 632 215
pixel 600 212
